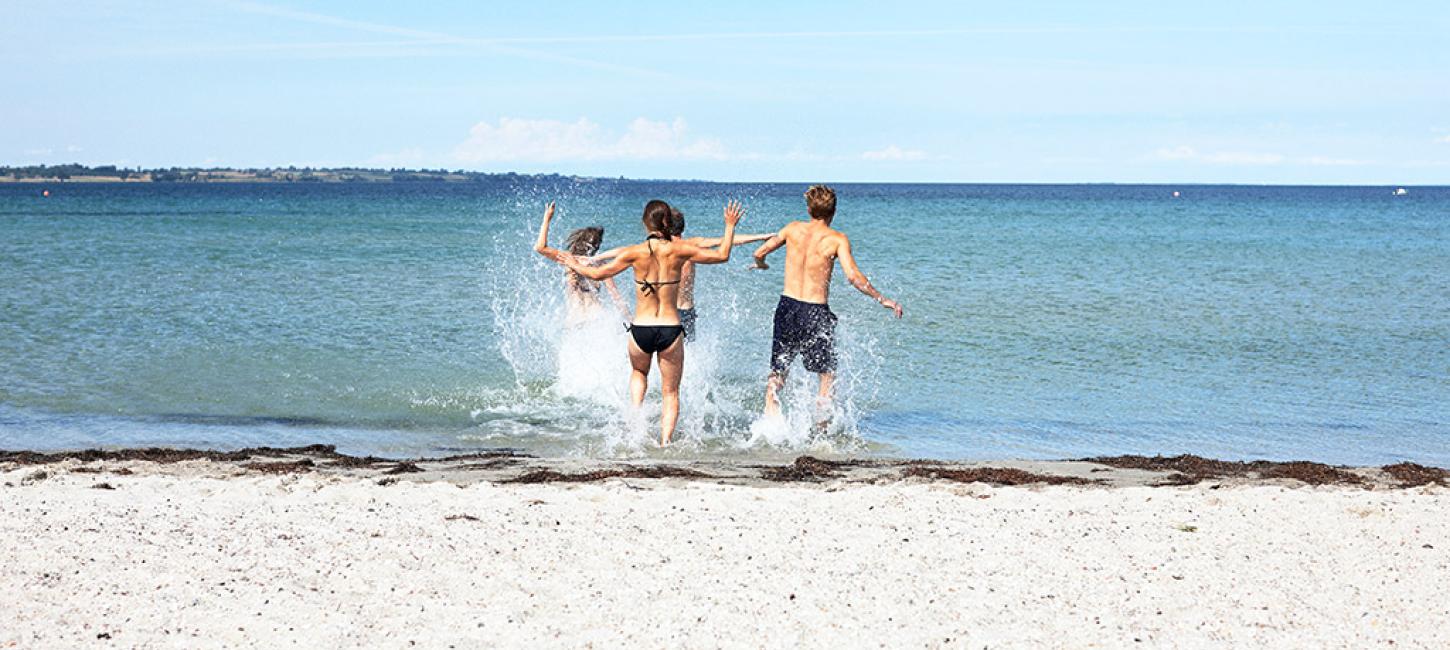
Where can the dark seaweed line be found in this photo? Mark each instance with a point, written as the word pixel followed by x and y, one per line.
pixel 1180 470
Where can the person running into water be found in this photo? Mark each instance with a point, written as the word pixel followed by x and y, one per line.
pixel 656 330
pixel 804 323
pixel 581 295
pixel 686 300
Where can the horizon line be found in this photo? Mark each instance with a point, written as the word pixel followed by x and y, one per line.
pixel 409 170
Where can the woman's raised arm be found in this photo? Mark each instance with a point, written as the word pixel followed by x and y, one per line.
pixel 541 245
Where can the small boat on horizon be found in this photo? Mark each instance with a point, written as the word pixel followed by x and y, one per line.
pixel 1400 191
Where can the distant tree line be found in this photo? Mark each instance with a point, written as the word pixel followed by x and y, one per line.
pixel 290 174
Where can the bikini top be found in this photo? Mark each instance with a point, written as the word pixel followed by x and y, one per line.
pixel 653 286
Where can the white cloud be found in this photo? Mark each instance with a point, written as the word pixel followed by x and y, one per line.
pixel 1323 161
pixel 1444 139
pixel 894 152
pixel 1243 158
pixel 524 140
pixel 51 151
pixel 1183 153
pixel 1180 152
pixel 1187 153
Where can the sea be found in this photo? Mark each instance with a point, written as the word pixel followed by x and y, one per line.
pixel 1041 321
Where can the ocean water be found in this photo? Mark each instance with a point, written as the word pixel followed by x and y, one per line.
pixel 1041 321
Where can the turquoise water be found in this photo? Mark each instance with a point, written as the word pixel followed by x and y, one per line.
pixel 1042 321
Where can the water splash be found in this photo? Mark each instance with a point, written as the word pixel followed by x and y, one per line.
pixel 579 373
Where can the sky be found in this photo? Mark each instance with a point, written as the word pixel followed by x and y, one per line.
pixel 1162 92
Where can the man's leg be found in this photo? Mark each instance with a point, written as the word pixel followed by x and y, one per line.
pixel 824 412
pixel 782 353
pixel 820 358
pixel 772 387
pixel 828 381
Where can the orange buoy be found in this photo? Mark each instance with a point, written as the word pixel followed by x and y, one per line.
pixel 45 193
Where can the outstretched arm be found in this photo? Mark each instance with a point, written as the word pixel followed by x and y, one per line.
pixel 608 270
pixel 604 255
pixel 541 245
pixel 859 279
pixel 707 242
pixel 773 242
pixel 702 242
pixel 733 213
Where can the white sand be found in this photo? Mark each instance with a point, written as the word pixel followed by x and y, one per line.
pixel 178 559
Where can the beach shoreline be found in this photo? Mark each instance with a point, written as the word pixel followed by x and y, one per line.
pixel 510 466
pixel 307 546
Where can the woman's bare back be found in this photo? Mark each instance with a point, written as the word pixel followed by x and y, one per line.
pixel 658 268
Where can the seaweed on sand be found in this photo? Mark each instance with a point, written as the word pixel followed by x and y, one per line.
pixel 1413 475
pixel 992 475
pixel 1189 469
pixel 655 471
pixel 810 468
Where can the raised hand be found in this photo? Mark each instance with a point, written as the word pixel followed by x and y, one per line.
pixel 541 245
pixel 733 212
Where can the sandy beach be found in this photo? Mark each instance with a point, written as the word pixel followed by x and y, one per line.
pixel 311 550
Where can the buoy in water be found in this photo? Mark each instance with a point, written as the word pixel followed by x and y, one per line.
pixel 1176 194
pixel 45 193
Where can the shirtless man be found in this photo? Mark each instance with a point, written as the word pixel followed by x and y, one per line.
pixel 804 323
pixel 686 297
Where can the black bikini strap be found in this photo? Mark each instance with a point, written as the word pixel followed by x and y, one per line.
pixel 653 287
pixel 648 286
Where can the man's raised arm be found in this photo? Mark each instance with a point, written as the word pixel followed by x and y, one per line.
pixel 773 242
pixel 859 279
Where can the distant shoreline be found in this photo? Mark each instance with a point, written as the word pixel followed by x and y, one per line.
pixel 111 174
pixel 76 173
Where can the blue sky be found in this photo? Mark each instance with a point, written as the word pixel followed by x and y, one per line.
pixel 1286 92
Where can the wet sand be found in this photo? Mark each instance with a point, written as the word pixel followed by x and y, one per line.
pixel 312 548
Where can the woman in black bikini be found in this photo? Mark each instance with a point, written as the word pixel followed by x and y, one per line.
pixel 656 330
pixel 687 273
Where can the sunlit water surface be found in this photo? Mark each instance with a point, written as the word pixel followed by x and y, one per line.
pixel 1042 321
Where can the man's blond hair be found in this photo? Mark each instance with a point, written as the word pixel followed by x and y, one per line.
pixel 821 202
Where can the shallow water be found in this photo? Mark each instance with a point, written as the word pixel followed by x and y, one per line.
pixel 1042 321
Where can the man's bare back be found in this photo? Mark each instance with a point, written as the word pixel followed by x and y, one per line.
pixel 810 257
pixel 812 249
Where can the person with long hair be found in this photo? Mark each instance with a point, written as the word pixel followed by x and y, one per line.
pixel 655 331
pixel 581 295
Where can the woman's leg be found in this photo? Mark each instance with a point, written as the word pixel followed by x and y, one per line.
pixel 672 365
pixel 638 374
